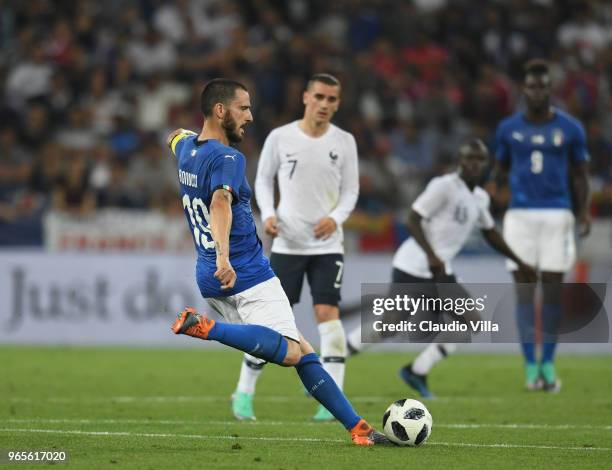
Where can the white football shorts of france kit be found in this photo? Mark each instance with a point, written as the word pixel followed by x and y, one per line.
pixel 543 238
pixel 264 304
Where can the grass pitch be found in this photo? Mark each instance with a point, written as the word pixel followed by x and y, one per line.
pixel 141 408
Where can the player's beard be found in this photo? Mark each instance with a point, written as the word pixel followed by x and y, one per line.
pixel 231 129
pixel 540 107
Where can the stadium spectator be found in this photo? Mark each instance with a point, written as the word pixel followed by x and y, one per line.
pixel 15 164
pixel 600 149
pixel 29 78
pixel 47 169
pixel 151 54
pixel 72 193
pixel 105 74
pixel 152 172
pixel 118 192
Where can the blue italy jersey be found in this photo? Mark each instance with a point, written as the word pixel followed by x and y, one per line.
pixel 538 156
pixel 204 167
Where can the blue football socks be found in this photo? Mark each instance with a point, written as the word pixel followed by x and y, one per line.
pixel 321 386
pixel 551 318
pixel 525 316
pixel 258 341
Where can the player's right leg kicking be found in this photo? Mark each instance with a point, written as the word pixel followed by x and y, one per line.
pixel 271 346
pixel 324 274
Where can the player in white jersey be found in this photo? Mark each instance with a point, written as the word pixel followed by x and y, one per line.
pixel 315 164
pixel 440 221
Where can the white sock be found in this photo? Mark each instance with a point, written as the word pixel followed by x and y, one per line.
pixel 333 349
pixel 249 373
pixel 430 356
pixel 354 339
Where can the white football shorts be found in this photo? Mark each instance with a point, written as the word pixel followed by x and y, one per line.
pixel 543 238
pixel 264 304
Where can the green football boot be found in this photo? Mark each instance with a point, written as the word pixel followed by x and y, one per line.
pixel 242 406
pixel 322 415
pixel 532 377
pixel 551 383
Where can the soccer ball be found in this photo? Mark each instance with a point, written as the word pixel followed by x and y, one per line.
pixel 407 422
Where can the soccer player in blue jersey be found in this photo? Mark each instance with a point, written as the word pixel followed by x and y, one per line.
pixel 232 272
pixel 544 154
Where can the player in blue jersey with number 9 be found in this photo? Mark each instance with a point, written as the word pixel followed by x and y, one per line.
pixel 232 272
pixel 543 152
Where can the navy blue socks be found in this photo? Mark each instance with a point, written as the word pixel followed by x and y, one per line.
pixel 525 316
pixel 258 341
pixel 551 317
pixel 321 386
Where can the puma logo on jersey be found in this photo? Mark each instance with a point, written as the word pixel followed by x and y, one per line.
pixel 288 155
pixel 333 156
pixel 517 136
pixel 233 157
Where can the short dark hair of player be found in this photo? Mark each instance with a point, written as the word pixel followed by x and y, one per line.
pixel 472 145
pixel 326 78
pixel 536 67
pixel 218 90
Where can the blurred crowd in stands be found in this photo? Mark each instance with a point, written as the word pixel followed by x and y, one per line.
pixel 89 90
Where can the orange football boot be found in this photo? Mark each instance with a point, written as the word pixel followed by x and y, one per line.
pixel 191 323
pixel 365 435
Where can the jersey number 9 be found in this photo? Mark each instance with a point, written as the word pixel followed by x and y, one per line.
pixel 198 214
pixel 537 162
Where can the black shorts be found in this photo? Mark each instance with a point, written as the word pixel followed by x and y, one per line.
pixel 415 287
pixel 402 277
pixel 324 273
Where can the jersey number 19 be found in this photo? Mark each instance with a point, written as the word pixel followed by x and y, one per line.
pixel 200 220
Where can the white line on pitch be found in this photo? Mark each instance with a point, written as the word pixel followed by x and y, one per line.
pixel 515 446
pixel 606 427
pixel 217 398
pixel 185 436
pixel 289 439
pixel 299 423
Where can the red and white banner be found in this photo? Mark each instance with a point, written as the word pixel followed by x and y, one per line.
pixel 117 230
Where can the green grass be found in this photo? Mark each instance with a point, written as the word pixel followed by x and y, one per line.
pixel 169 408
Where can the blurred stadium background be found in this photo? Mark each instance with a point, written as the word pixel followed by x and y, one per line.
pixel 92 233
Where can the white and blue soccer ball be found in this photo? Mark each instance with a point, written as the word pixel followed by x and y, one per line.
pixel 407 422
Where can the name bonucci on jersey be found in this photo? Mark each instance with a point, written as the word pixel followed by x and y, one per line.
pixel 317 177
